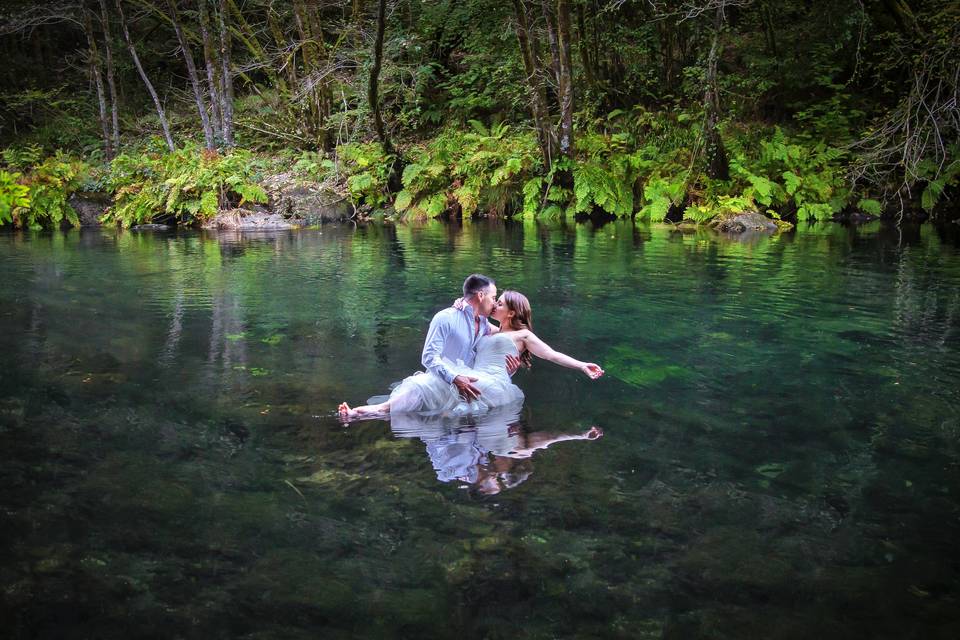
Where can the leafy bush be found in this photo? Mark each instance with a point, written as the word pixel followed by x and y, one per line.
pixel 14 197
pixel 38 197
pixel 949 175
pixel 367 167
pixel 189 184
pixel 614 174
pixel 482 169
pixel 773 173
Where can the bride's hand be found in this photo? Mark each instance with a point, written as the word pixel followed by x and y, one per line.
pixel 593 371
pixel 458 304
pixel 593 433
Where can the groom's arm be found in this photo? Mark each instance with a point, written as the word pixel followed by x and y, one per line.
pixel 432 357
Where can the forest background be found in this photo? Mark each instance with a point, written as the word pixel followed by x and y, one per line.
pixel 176 110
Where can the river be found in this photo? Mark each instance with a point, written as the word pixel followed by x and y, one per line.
pixel 780 449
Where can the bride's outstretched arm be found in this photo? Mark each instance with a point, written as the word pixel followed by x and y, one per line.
pixel 541 349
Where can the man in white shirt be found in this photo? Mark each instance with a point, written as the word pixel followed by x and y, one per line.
pixel 454 333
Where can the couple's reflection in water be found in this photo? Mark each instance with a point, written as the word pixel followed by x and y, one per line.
pixel 486 453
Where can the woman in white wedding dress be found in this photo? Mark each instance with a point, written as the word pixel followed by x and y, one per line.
pixel 423 392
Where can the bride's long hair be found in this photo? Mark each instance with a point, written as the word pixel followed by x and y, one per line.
pixel 522 318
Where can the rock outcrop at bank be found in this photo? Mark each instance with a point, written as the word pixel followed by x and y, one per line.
pixel 253 219
pixel 748 221
pixel 315 203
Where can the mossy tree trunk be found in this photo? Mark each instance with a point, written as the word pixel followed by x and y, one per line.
pixel 212 69
pixel 538 96
pixel 226 76
pixel 565 91
pixel 718 166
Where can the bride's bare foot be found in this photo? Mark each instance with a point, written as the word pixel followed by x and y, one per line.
pixel 346 412
pixel 366 411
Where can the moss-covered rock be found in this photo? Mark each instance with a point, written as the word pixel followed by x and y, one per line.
pixel 748 221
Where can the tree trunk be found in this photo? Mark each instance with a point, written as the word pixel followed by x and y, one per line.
pixel 146 80
pixel 213 73
pixel 584 47
pixel 769 29
pixel 280 41
pixel 192 75
pixel 565 92
pixel 552 41
pixel 541 116
pixel 98 80
pixel 373 88
pixel 226 91
pixel 718 166
pixel 307 30
pixel 108 49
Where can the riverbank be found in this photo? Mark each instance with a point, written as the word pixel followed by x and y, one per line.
pixel 479 171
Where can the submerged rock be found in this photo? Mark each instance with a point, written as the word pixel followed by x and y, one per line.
pixel 249 219
pixel 855 217
pixel 89 206
pixel 150 227
pixel 748 221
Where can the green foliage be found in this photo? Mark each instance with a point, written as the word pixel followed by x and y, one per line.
pixel 367 167
pixel 871 206
pixel 22 157
pixel 484 169
pixel 771 171
pixel 312 165
pixel 949 175
pixel 189 184
pixel 605 174
pixel 50 118
pixel 14 197
pixel 662 190
pixel 38 198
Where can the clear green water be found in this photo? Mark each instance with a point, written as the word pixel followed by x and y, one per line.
pixel 780 459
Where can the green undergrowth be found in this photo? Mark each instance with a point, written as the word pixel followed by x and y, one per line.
pixel 34 190
pixel 641 170
pixel 189 185
pixel 478 170
pixel 633 163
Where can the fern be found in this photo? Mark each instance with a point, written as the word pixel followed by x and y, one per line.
pixel 14 197
pixel 188 185
pixel 39 197
pixel 483 169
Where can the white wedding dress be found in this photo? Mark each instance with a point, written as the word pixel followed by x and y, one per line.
pixel 425 392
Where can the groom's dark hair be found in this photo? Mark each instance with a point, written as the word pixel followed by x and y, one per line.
pixel 475 283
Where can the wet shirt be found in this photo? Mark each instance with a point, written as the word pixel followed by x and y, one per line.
pixel 451 337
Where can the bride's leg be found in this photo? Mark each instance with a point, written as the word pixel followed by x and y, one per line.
pixel 367 410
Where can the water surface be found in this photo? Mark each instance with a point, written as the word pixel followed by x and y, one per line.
pixel 780 454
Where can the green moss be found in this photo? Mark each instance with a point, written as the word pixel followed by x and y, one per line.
pixel 640 368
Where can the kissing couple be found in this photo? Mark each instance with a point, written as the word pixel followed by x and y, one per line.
pixel 468 360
